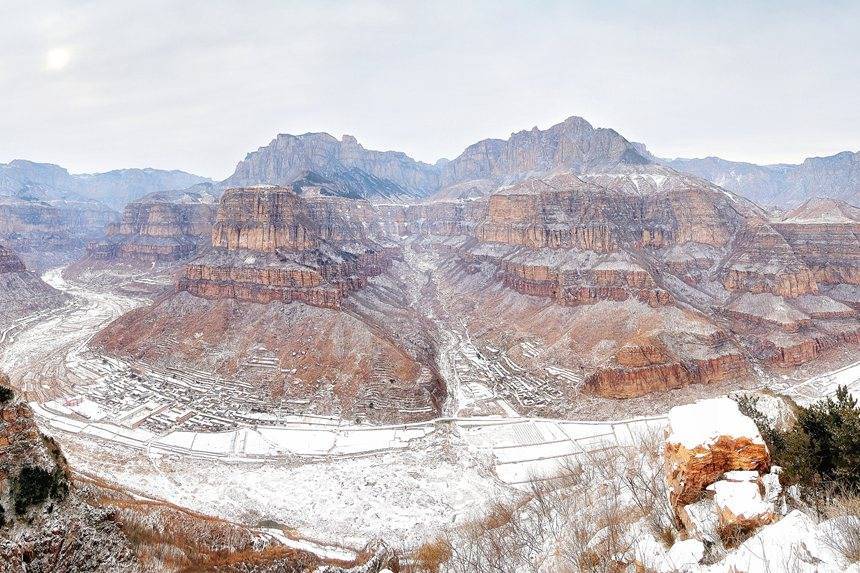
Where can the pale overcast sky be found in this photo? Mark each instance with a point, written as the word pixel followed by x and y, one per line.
pixel 195 85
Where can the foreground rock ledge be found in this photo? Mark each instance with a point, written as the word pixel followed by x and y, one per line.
pixel 704 441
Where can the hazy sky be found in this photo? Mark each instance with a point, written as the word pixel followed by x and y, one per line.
pixel 196 85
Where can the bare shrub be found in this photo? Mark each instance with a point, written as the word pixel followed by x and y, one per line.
pixel 844 536
pixel 581 519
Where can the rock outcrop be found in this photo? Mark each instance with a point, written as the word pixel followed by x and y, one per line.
pixel 647 233
pixel 739 502
pixel 625 381
pixel 160 227
pixel 272 244
pixel 704 441
pixel 573 145
pixel 44 526
pixel 22 292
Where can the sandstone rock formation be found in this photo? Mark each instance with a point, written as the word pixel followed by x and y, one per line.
pixel 160 227
pixel 302 274
pixel 272 244
pixel 825 235
pixel 739 502
pixel 647 233
pixel 704 441
pixel 698 284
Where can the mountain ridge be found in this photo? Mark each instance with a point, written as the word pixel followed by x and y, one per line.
pixel 835 176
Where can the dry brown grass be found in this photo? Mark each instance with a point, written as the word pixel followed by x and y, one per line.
pixel 733 535
pixel 430 557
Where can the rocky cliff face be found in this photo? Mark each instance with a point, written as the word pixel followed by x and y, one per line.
pixel 272 244
pixel 44 525
pixel 836 177
pixel 825 235
pixel 704 441
pixel 651 235
pixel 573 145
pixel 370 173
pixel 47 229
pixel 159 227
pixel 573 217
pixel 307 276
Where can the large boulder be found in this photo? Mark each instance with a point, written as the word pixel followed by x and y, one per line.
pixel 705 440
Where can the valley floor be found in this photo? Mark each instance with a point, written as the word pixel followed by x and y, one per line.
pixel 191 438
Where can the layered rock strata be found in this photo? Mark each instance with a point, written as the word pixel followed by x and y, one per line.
pixel 271 244
pixel 45 230
pixel 157 229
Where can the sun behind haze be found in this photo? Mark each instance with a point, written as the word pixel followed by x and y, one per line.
pixel 195 85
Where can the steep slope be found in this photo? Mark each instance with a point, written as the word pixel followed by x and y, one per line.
pixel 644 278
pixel 22 292
pixel 823 210
pixel 52 519
pixel 692 283
pixel 368 173
pixel 835 177
pixel 48 230
pixel 298 279
pixel 44 525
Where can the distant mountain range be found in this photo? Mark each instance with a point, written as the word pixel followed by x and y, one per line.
pixel 348 169
pixel 780 185
pixel 44 181
pixel 573 146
